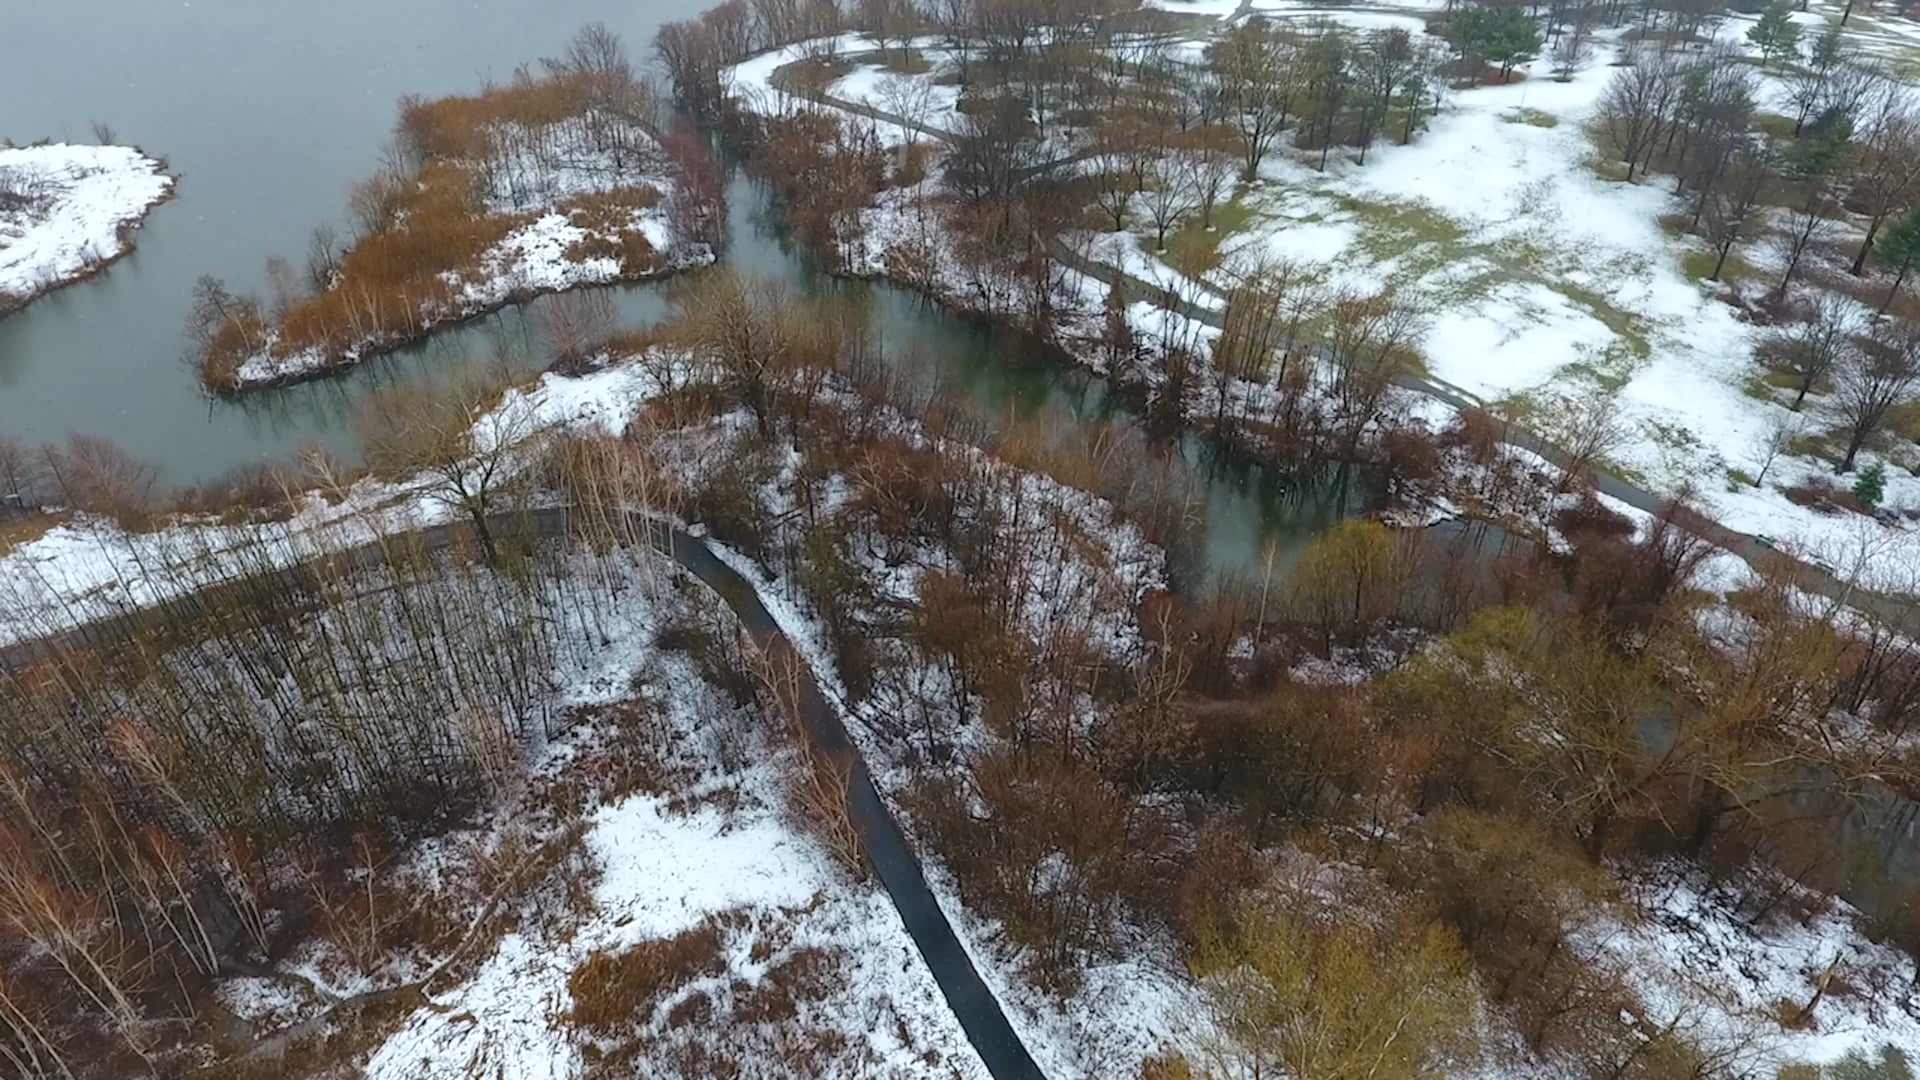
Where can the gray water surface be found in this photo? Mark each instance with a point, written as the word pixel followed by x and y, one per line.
pixel 269 110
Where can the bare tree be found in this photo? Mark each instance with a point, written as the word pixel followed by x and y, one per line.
pixel 1170 196
pixel 323 258
pixel 1573 48
pixel 1809 347
pixel 748 331
pixel 459 438
pixel 1253 67
pixel 1782 429
pixel 1813 167
pixel 575 325
pixel 1585 429
pixel 1878 372
pixel 1886 173
pixel 94 475
pixel 20 479
pixel 911 99
pixel 1734 209
pixel 1634 107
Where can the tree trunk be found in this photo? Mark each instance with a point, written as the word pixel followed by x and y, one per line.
pixel 485 534
pixel 1894 291
pixel 1866 246
pixel 1721 262
pixel 1857 440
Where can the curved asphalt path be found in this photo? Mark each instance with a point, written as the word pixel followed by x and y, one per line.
pixel 885 846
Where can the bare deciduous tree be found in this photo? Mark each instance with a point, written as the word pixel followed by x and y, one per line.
pixel 1878 372
pixel 460 437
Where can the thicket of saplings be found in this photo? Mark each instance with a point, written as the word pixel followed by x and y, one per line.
pixel 1484 794
pixel 195 786
pixel 461 173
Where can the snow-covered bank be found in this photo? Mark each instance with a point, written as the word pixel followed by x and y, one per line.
pixel 67 211
pixel 90 568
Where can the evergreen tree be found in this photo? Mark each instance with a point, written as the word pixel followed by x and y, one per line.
pixel 1513 39
pixel 1899 248
pixel 1871 486
pixel 1775 35
pixel 1503 37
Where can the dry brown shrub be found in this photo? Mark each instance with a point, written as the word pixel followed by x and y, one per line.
pixel 806 975
pixel 231 343
pixel 613 990
pixel 1821 494
pixel 608 216
pixel 456 127
pixel 424 220
pixel 96 476
pixel 1222 866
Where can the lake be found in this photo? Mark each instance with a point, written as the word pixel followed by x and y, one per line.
pixel 269 112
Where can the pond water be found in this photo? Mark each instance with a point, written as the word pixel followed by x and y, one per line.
pixel 269 112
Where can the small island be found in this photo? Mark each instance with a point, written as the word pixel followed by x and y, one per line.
pixel 554 180
pixel 66 211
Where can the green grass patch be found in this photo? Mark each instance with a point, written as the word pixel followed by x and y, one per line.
pixel 811 76
pixel 1760 387
pixel 1420 237
pixel 1698 264
pixel 1774 124
pixel 1195 252
pixel 1531 117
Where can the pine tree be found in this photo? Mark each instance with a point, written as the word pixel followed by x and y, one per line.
pixel 1899 247
pixel 1775 35
pixel 1871 486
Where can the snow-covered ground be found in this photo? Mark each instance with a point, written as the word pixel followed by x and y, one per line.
pixel 723 853
pixel 89 568
pixel 1701 966
pixel 1545 283
pixel 66 211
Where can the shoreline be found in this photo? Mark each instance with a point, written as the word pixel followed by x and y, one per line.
pixel 12 303
pixel 375 350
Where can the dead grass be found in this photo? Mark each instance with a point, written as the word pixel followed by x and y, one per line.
pixel 25 529
pixel 608 218
pixel 611 991
pixel 425 230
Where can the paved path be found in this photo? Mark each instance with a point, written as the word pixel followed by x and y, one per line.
pixel 885 846
pixel 978 1011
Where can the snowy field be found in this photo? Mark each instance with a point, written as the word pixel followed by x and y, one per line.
pixel 66 211
pixel 1546 284
pixel 720 854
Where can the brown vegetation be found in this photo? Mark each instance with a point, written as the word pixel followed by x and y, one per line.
pixel 464 171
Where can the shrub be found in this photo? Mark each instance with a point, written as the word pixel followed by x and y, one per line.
pixel 1871 486
pixel 611 990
